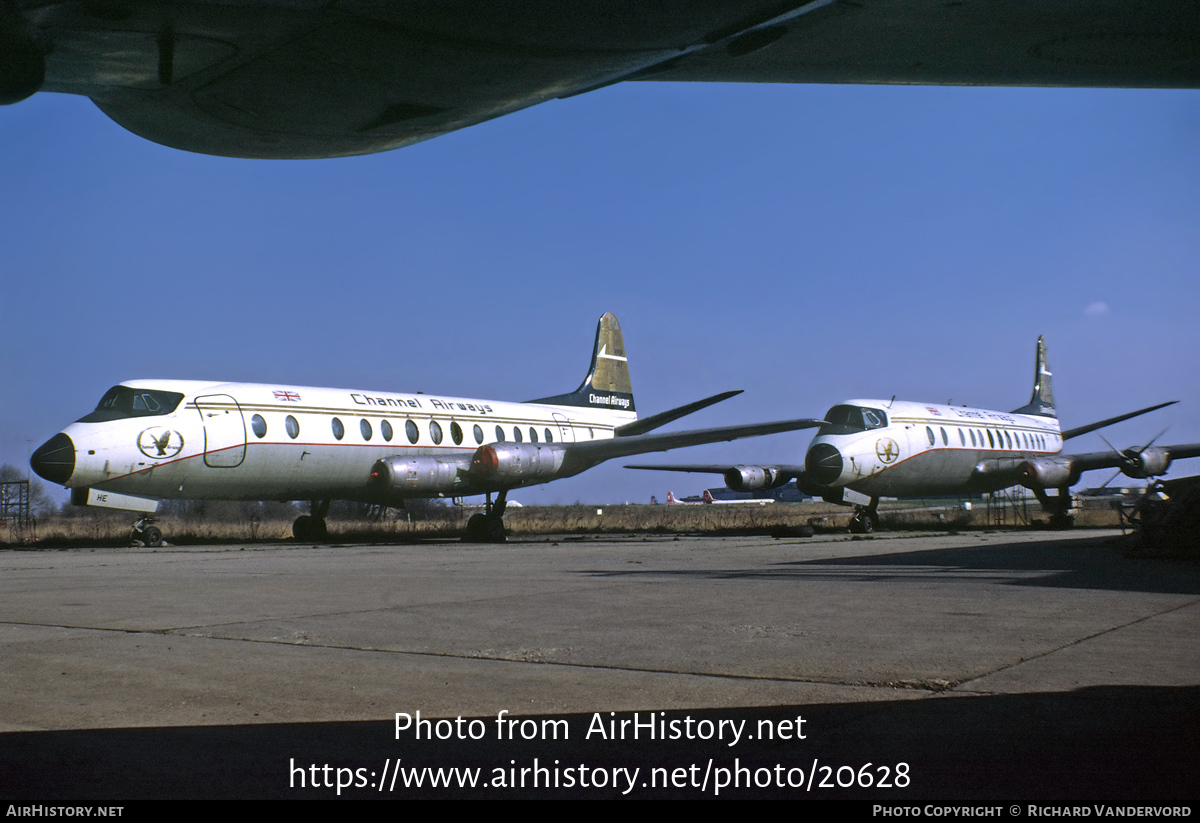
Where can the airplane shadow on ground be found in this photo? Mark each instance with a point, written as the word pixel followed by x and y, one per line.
pixel 1123 744
pixel 1089 564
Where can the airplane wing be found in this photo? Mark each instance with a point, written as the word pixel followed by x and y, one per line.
pixel 260 78
pixel 1064 470
pixel 1140 459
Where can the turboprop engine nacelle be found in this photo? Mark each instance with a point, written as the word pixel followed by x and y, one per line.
pixel 516 463
pixel 752 478
pixel 1149 462
pixel 421 475
pixel 1047 474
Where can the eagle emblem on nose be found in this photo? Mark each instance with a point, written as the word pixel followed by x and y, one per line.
pixel 160 443
pixel 886 450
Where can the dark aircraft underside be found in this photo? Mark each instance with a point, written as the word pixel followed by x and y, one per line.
pixel 306 78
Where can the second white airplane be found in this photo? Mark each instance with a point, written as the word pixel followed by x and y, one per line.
pixel 869 449
pixel 189 439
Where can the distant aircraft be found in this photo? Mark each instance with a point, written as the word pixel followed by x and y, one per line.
pixel 707 497
pixel 672 500
pixel 189 439
pixel 271 79
pixel 868 449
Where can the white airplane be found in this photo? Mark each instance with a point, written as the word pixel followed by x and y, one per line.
pixel 707 498
pixel 868 449
pixel 189 439
pixel 276 79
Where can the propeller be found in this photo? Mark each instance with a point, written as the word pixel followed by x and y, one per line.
pixel 1130 458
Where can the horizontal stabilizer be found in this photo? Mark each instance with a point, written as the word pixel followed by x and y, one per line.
pixel 648 424
pixel 1091 427
pixel 595 451
pixel 790 471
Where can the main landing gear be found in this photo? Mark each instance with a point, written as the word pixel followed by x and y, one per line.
pixel 488 527
pixel 1059 507
pixel 311 527
pixel 865 519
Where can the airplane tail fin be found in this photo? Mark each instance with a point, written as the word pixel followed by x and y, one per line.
pixel 1042 401
pixel 607 383
pixel 707 496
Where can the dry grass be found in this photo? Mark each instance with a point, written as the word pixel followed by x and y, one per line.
pixel 95 527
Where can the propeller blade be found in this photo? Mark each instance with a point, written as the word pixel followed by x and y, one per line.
pixel 1151 443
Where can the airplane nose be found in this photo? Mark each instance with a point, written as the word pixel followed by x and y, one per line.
pixel 823 464
pixel 55 459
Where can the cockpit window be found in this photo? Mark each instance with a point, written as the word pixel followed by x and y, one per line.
pixel 121 402
pixel 851 419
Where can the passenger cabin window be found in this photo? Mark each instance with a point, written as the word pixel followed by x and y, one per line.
pixel 516 434
pixel 410 429
pixel 962 437
pixel 258 426
pixel 435 432
pixel 945 437
pixel 499 435
pixel 364 427
pixel 532 435
pixel 478 432
pixel 847 419
pixel 339 431
pixel 293 428
pixel 385 428
pixel 549 436
pixel 456 433
pixel 972 433
pixel 929 432
pixel 121 402
pixel 991 440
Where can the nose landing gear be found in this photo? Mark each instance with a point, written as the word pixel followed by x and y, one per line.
pixel 146 534
pixel 866 518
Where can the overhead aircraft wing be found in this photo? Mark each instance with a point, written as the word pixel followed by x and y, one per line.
pixel 1109 43
pixel 261 78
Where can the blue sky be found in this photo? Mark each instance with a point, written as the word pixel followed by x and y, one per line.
pixel 808 244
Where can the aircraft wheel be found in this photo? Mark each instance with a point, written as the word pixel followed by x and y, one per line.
pixel 1061 521
pixel 302 529
pixel 475 528
pixel 496 533
pixel 872 521
pixel 309 528
pixel 152 537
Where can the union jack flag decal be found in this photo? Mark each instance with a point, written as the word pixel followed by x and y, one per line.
pixel 929 409
pixel 290 396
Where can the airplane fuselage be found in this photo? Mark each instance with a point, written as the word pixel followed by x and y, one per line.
pixel 198 440
pixel 883 448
